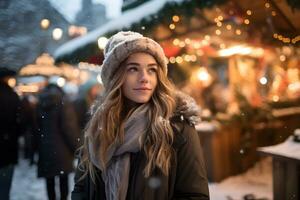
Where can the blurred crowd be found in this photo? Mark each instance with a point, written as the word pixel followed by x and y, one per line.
pixel 51 125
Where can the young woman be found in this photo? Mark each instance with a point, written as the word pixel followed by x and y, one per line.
pixel 140 142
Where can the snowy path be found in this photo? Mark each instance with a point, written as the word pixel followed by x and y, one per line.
pixel 26 185
pixel 258 181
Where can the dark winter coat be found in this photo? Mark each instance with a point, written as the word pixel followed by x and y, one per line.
pixel 10 110
pixel 57 133
pixel 187 179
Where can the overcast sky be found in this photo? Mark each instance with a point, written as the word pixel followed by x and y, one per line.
pixel 69 8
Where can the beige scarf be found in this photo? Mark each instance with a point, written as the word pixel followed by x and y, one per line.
pixel 116 175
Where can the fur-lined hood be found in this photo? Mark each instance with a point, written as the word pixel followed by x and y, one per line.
pixel 191 112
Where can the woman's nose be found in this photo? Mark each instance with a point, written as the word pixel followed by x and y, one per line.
pixel 144 78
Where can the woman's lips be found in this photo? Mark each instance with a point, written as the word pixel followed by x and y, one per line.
pixel 142 89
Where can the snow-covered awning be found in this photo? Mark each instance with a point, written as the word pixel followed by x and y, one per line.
pixel 124 21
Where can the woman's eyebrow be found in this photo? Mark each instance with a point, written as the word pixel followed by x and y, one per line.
pixel 132 63
pixel 152 65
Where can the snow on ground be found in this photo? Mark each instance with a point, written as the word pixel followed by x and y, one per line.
pixel 26 185
pixel 257 181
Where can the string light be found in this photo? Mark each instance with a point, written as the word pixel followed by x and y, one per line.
pixel 286 39
pixel 238 32
pixel 218 32
pixel 172 26
pixel 207 37
pixel 187 41
pixel 176 41
pixel 179 59
pixel 247 21
pixel 175 18
pixel 220 18
pixel 172 60
pixel 219 24
pixel 273 13
pixel 45 23
pixel 228 27
pixel 267 5
pixel 249 12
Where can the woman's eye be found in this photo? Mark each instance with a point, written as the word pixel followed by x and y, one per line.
pixel 132 69
pixel 153 70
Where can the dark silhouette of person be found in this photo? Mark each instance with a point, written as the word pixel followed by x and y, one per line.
pixel 57 138
pixel 10 130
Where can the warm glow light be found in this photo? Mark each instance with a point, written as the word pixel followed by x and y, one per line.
pixel 282 58
pixel 193 58
pixel 74 31
pixel 187 41
pixel 176 42
pixel 263 80
pixel 175 18
pixel 179 59
pixel 102 41
pixel 172 59
pixel 275 98
pixel 203 75
pixel 249 12
pixel 61 82
pixel 219 24
pixel 247 21
pixel 45 23
pixel 57 33
pixel 241 50
pixel 275 35
pixel 218 32
pixel 267 5
pixel 12 82
pixel 207 37
pixel 172 26
pixel 238 32
pixel 204 42
pixel 197 45
pixel 220 18
pixel 228 27
pixel 187 58
pixel 273 13
pixel 28 88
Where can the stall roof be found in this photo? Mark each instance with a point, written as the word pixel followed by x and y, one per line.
pixel 128 18
pixel 274 17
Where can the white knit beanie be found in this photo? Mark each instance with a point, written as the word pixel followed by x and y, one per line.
pixel 123 44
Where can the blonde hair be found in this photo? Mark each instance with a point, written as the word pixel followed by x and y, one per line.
pixel 157 143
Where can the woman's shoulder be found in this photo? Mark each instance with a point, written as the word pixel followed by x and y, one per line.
pixel 183 130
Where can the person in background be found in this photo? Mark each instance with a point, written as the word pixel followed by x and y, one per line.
pixel 10 130
pixel 57 139
pixel 140 142
pixel 88 93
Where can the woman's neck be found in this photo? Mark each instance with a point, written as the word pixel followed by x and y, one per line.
pixel 128 105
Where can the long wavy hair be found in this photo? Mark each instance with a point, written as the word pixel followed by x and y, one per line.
pixel 157 143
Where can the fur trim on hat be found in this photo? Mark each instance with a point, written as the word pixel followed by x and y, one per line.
pixel 122 45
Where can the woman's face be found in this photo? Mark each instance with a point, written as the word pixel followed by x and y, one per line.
pixel 140 77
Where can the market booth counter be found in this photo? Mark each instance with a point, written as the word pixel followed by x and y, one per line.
pixel 286 168
pixel 230 149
